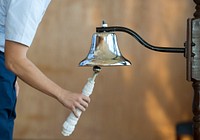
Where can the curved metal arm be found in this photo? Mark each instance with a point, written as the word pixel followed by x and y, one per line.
pixel 138 38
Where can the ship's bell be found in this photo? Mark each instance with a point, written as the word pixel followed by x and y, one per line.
pixel 104 51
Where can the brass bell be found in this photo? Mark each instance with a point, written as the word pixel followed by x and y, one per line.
pixel 104 51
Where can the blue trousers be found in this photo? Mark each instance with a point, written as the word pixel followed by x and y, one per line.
pixel 7 101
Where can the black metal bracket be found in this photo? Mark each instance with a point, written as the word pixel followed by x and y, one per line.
pixel 139 39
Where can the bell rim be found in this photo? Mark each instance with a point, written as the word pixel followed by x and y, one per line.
pixel 91 63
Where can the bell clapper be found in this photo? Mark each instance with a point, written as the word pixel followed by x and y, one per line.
pixel 71 121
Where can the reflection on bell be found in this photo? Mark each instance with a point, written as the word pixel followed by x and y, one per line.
pixel 104 51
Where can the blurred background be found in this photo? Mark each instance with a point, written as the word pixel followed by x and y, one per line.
pixel 144 101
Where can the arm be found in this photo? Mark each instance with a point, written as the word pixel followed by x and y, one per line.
pixel 16 60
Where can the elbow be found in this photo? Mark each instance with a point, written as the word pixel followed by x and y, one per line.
pixel 16 65
pixel 9 64
pixel 12 64
pixel 15 56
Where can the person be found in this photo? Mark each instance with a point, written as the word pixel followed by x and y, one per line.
pixel 19 20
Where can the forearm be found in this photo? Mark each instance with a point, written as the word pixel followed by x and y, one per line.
pixel 31 75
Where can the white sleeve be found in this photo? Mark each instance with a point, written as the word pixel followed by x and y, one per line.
pixel 23 18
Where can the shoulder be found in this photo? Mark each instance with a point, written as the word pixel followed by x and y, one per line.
pixel 26 14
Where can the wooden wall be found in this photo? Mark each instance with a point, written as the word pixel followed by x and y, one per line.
pixel 140 102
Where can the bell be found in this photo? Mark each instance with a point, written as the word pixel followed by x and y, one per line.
pixel 104 51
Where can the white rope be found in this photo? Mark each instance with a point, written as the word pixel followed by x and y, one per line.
pixel 71 121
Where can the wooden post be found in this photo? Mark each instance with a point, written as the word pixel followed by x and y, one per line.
pixel 195 76
pixel 196 110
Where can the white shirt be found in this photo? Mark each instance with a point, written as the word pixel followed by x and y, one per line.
pixel 19 20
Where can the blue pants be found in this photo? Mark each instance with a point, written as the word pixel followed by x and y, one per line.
pixel 7 101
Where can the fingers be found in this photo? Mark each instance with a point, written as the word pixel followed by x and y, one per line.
pixel 86 98
pixel 74 101
pixel 83 102
pixel 80 104
pixel 74 110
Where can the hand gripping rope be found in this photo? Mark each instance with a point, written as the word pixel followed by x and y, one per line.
pixel 71 121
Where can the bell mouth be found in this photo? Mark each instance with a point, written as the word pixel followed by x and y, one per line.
pixel 104 51
pixel 118 61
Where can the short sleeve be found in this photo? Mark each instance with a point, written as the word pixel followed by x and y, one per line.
pixel 23 18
